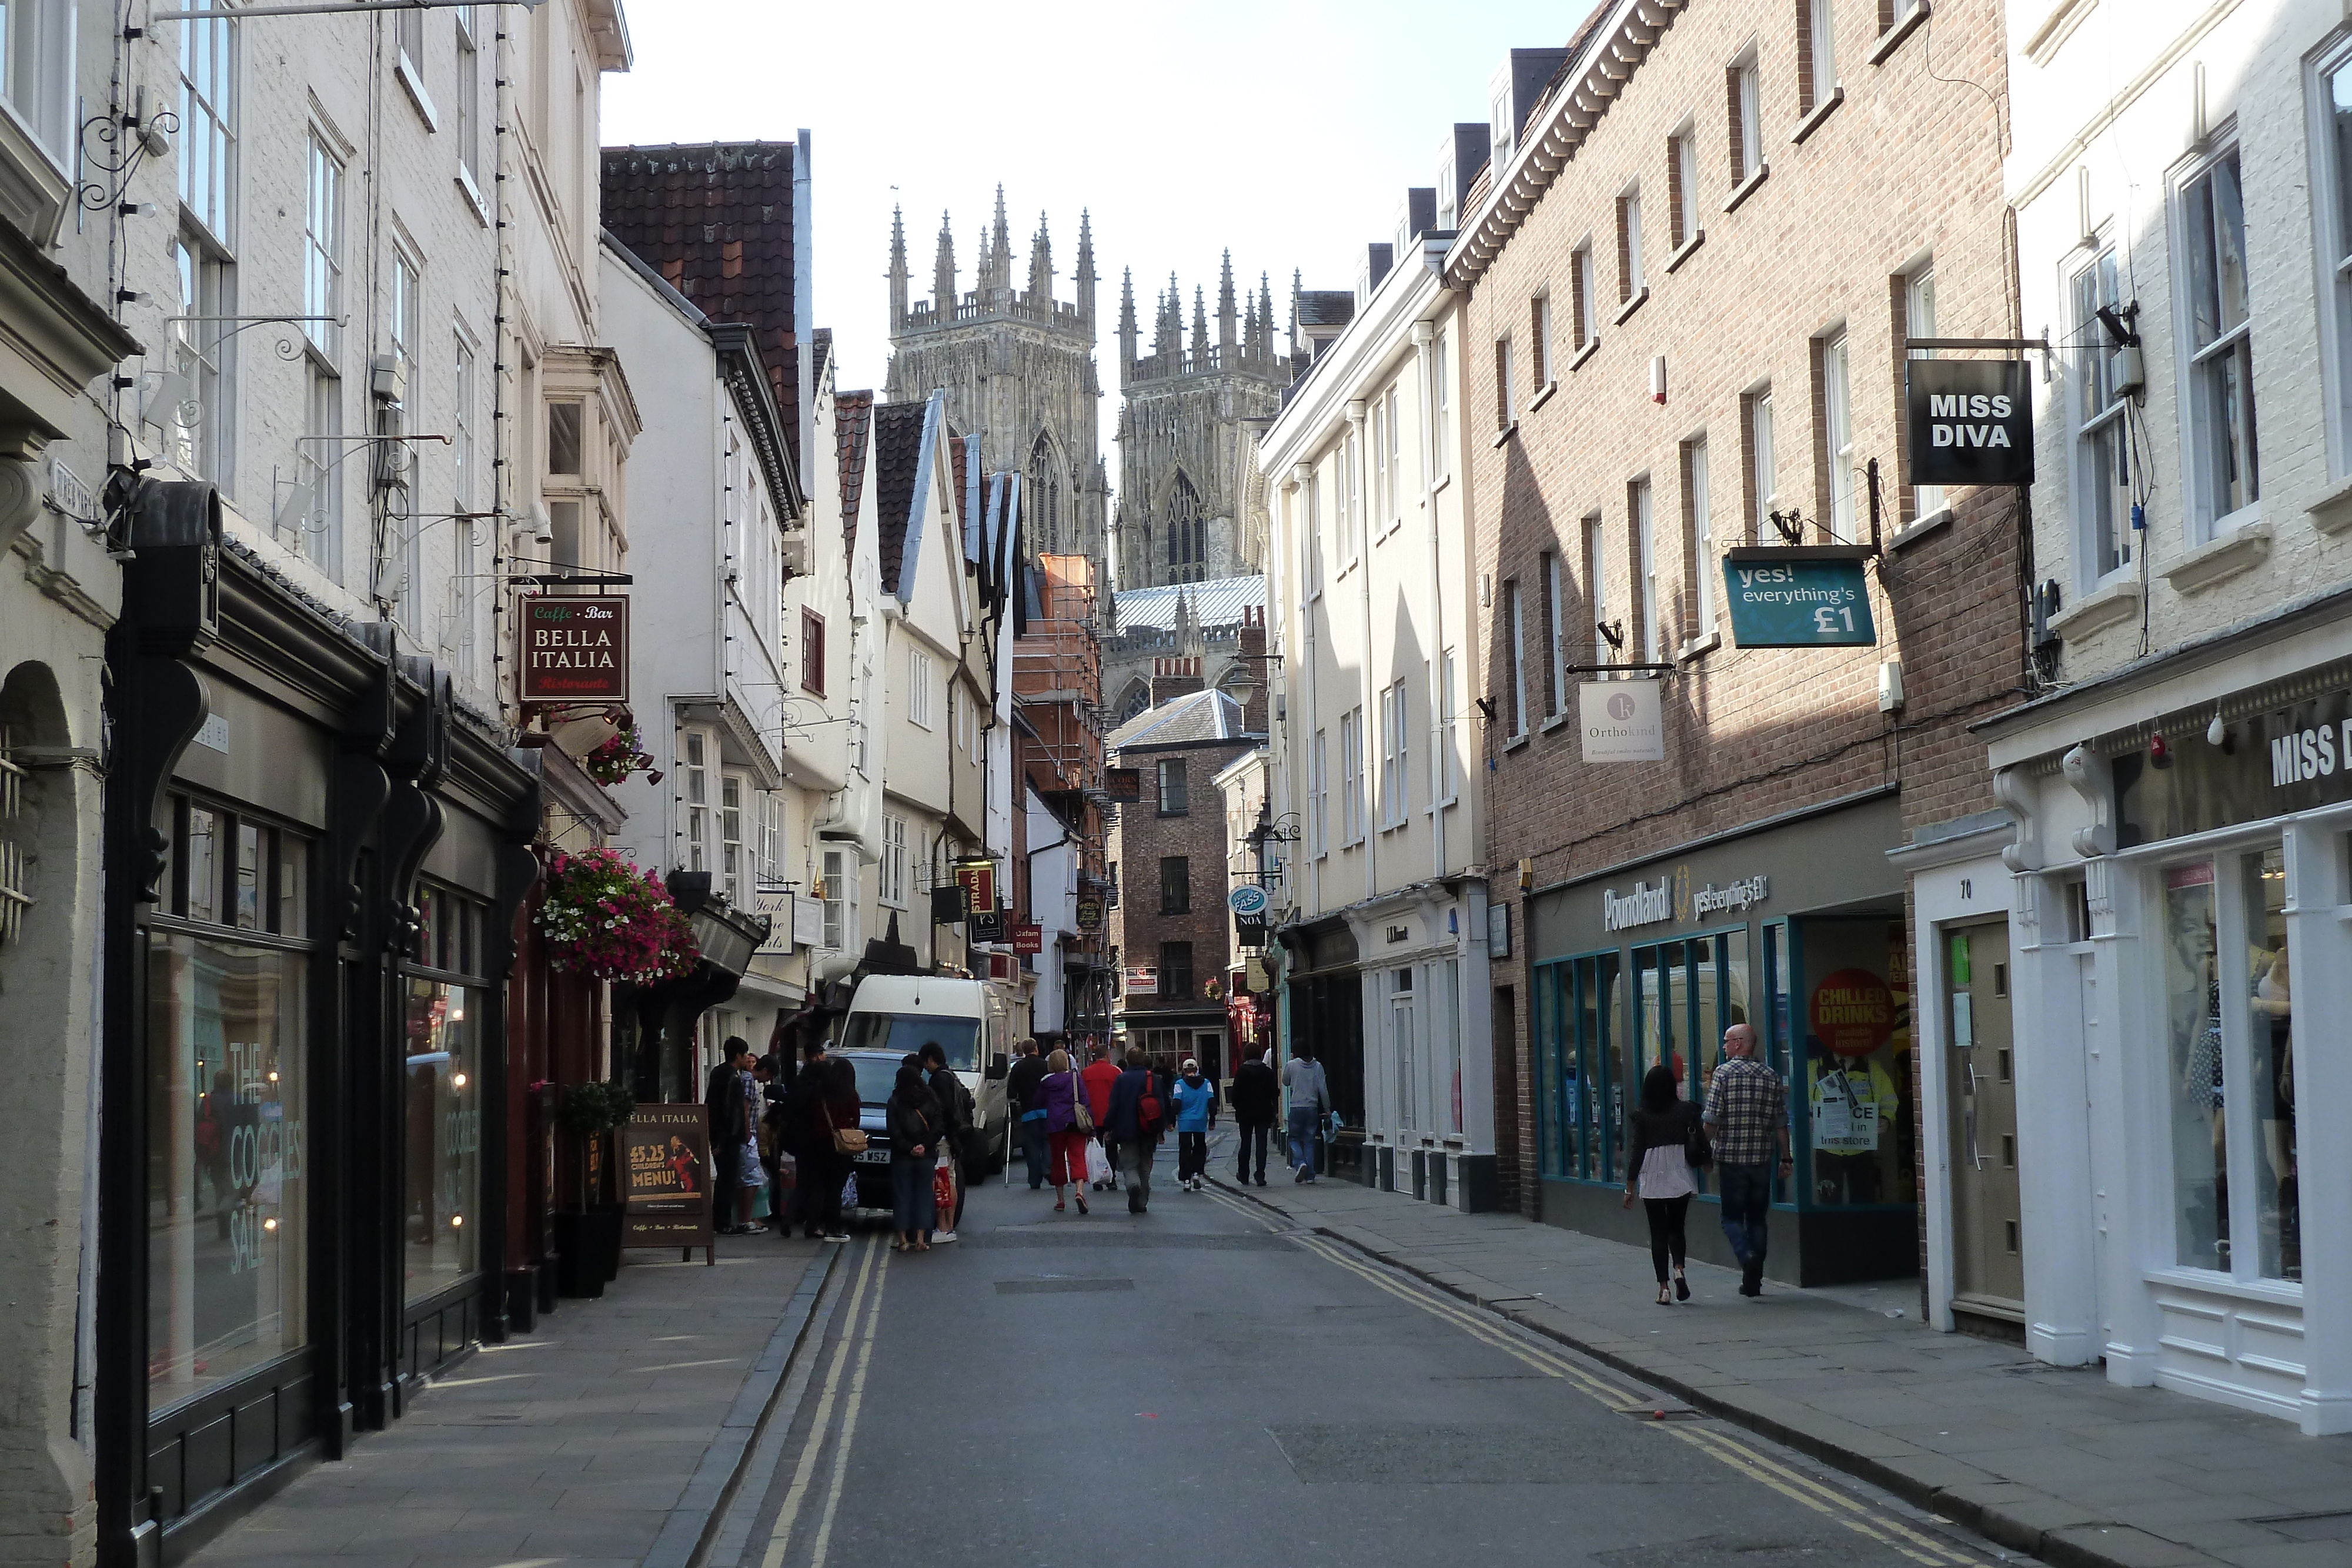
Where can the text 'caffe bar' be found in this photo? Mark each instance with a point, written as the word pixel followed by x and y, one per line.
pixel 2183 859
pixel 1783 926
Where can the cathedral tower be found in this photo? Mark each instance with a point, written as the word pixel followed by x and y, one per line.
pixel 1191 509
pixel 1019 370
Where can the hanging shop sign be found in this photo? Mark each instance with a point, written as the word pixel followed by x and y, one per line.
pixel 1971 421
pixel 1797 596
pixel 1028 937
pixel 985 925
pixel 1090 915
pixel 978 880
pixel 1249 930
pixel 665 1150
pixel 781 919
pixel 576 648
pixel 808 921
pixel 1143 981
pixel 1623 721
pixel 1249 900
pixel 1123 785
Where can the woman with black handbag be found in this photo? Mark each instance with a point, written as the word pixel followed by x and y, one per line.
pixel 1667 1140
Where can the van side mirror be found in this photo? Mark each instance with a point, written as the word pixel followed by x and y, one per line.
pixel 998 1066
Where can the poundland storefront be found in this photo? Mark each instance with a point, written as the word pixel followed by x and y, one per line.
pixel 1793 926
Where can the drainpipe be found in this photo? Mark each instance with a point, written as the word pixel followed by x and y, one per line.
pixel 1424 333
pixel 1360 539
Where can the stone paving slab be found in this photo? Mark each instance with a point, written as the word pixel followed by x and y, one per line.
pixel 2056 1462
pixel 607 1437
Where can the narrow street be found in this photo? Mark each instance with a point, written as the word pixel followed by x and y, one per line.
pixel 1208 1385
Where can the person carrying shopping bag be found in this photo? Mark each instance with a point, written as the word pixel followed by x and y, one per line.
pixel 915 1129
pixel 1069 1127
pixel 1665 1142
pixel 1196 1115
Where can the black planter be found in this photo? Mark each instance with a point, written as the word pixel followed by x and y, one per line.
pixel 579 1266
pixel 605 1233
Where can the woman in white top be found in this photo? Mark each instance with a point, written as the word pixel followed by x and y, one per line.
pixel 1658 1172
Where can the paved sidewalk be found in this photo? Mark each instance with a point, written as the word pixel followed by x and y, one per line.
pixel 2053 1461
pixel 607 1438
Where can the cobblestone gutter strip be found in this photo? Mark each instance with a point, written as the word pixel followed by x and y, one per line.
pixel 686 1534
pixel 2017 1516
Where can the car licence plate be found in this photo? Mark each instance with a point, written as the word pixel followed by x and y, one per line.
pixel 873 1157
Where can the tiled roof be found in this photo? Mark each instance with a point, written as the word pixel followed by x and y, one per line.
pixel 716 222
pixel 853 423
pixel 1196 715
pixel 898 460
pixel 1217 602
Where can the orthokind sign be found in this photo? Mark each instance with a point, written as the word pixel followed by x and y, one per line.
pixel 1971 421
pixel 576 648
pixel 1623 721
pixel 1797 596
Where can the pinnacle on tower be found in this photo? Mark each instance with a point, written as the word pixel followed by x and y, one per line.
pixel 1000 248
pixel 1251 346
pixel 1296 283
pixel 1127 331
pixel 1200 328
pixel 1041 269
pixel 1175 317
pixel 1086 279
pixel 1226 307
pixel 898 268
pixel 1266 316
pixel 943 275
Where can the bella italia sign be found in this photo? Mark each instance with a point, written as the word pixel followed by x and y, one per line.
pixel 576 648
pixel 1672 897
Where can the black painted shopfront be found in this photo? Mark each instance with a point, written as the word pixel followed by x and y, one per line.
pixel 1795 928
pixel 313 860
pixel 1327 1017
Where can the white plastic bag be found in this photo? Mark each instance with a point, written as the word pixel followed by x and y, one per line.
pixel 849 1194
pixel 1097 1165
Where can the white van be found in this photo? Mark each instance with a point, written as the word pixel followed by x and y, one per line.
pixel 897 1015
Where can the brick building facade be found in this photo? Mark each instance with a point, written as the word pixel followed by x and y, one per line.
pixel 1167 861
pixel 1692 271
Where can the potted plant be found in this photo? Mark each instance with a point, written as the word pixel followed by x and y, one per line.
pixel 588 1239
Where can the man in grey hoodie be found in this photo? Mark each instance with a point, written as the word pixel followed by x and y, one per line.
pixel 1310 1097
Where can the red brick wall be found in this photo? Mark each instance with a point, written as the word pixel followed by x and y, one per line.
pixel 1138 840
pixel 1906 168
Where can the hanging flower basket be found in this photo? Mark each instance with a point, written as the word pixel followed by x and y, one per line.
pixel 618 758
pixel 606 917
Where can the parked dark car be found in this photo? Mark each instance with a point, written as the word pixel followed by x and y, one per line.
pixel 877 1073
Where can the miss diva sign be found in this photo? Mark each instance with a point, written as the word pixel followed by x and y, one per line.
pixel 1971 423
pixel 576 648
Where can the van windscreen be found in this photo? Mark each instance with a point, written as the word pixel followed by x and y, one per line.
pixel 902 1034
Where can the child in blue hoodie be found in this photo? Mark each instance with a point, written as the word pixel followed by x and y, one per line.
pixel 1196 1113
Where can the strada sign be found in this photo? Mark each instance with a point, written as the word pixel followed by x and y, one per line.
pixel 1971 421
pixel 576 648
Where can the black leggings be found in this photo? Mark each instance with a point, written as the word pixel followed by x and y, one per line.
pixel 1665 1230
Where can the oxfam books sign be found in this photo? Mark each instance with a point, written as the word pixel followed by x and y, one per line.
pixel 1971 421
pixel 1797 596
pixel 1622 721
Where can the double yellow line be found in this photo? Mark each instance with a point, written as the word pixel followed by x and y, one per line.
pixel 1850 1511
pixel 856 1336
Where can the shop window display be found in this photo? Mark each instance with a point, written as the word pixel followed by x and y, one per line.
pixel 2193 1009
pixel 1856 1099
pixel 443 1023
pixel 227 1209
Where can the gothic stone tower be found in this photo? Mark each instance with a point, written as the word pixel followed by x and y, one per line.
pixel 1187 436
pixel 1019 370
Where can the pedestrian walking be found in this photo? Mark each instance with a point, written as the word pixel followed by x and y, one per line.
pixel 1060 1092
pixel 729 1097
pixel 788 1120
pixel 1029 1112
pixel 1097 1077
pixel 956 1132
pixel 1256 1099
pixel 833 1113
pixel 1658 1167
pixel 917 1124
pixel 1746 1115
pixel 1196 1114
pixel 1310 1097
pixel 1139 1115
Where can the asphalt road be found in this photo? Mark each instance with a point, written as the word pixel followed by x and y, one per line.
pixel 1203 1385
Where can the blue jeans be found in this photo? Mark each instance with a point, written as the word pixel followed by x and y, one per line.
pixel 1302 1136
pixel 1036 1142
pixel 1747 1193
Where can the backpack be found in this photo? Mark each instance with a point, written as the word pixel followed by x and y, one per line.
pixel 1147 1108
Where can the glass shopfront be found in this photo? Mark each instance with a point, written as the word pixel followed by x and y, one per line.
pixel 228 1205
pixel 444 1017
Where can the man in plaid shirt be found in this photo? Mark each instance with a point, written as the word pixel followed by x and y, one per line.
pixel 1747 1114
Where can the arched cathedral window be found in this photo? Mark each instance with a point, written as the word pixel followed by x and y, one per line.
pixel 1188 534
pixel 1043 485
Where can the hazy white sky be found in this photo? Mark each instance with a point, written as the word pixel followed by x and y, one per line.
pixel 1287 129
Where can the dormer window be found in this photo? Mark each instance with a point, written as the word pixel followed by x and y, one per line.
pixel 1504 129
